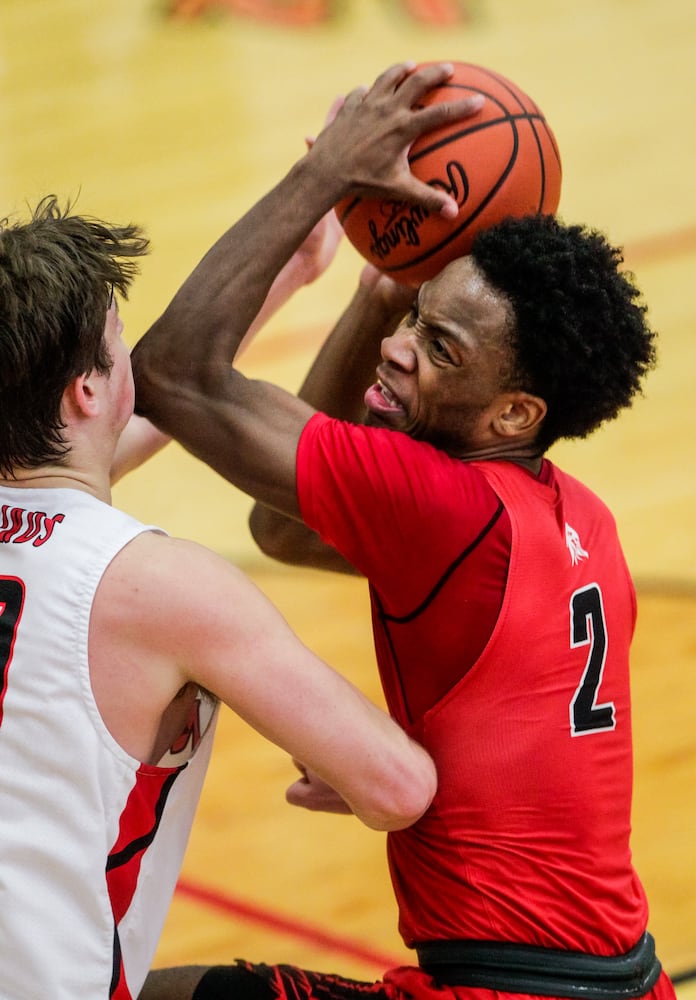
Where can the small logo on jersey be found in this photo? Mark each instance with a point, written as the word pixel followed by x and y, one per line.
pixel 199 718
pixel 191 735
pixel 574 545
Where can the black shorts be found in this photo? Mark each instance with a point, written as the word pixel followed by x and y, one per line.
pixel 246 981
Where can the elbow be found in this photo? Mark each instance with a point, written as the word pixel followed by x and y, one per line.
pixel 409 797
pixel 277 536
pixel 262 525
pixel 164 375
pixel 148 376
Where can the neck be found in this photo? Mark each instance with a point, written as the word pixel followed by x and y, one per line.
pixel 528 456
pixel 59 477
pixel 532 463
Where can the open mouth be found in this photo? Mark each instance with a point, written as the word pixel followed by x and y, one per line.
pixel 380 399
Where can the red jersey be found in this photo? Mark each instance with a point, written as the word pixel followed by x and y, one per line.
pixel 527 839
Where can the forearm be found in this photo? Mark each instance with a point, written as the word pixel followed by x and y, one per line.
pixel 288 540
pixel 307 264
pixel 203 326
pixel 139 441
pixel 345 366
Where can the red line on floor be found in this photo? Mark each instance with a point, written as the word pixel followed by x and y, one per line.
pixel 238 908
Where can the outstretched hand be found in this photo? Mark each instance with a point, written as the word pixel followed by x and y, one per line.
pixel 368 142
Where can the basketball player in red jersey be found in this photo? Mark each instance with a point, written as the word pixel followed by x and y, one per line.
pixel 502 606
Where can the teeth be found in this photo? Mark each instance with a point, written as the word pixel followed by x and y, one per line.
pixel 387 394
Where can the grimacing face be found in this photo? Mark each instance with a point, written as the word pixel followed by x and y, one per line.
pixel 444 369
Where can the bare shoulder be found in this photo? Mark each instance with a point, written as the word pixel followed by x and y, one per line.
pixel 166 616
pixel 187 608
pixel 158 577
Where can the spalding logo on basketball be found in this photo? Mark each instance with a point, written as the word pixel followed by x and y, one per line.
pixel 501 162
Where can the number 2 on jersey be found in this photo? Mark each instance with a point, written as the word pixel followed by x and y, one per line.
pixel 588 628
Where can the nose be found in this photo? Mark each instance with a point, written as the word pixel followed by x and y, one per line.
pixel 399 349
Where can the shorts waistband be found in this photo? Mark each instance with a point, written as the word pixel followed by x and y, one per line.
pixel 515 968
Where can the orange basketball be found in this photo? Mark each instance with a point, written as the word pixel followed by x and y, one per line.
pixel 503 161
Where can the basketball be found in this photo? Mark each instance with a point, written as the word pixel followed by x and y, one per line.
pixel 503 161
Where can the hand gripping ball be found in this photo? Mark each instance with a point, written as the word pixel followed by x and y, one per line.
pixel 503 161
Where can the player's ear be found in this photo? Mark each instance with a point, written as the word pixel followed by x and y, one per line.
pixel 520 414
pixel 80 396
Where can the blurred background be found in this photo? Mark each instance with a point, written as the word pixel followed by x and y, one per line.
pixel 179 116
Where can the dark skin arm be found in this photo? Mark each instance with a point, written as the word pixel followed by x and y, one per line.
pixel 185 383
pixel 335 384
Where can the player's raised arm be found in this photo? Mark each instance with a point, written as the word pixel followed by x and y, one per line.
pixel 182 366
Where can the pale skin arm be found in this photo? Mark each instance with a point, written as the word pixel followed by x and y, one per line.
pixel 358 760
pixel 194 618
pixel 139 441
pixel 248 431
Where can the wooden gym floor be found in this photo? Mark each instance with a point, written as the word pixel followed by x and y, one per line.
pixel 180 123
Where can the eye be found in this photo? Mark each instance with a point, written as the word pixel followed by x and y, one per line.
pixel 439 350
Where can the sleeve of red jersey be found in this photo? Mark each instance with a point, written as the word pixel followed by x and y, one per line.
pixel 376 495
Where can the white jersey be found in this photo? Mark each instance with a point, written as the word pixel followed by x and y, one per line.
pixel 91 840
